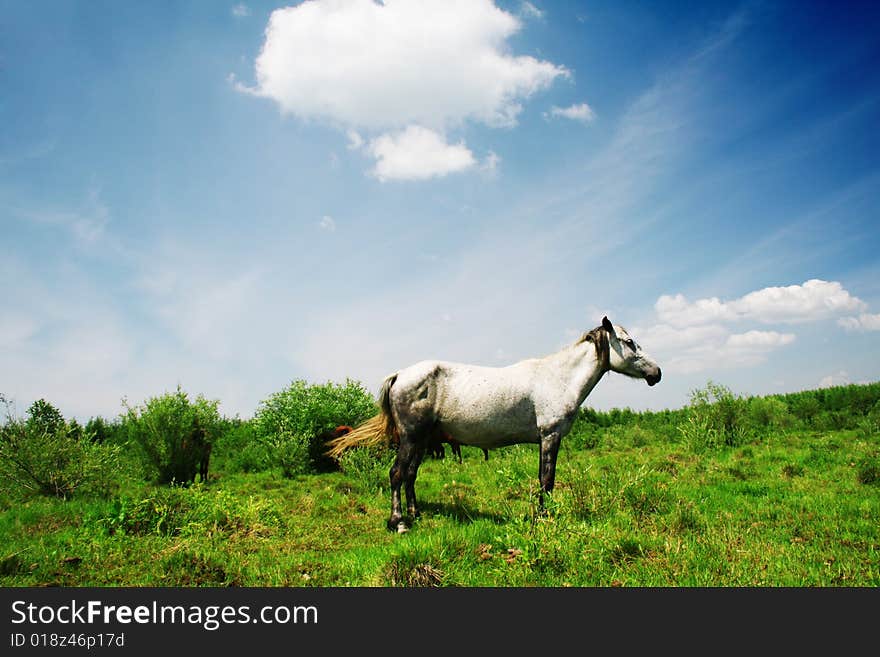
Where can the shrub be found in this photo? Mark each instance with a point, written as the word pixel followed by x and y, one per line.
pixel 367 466
pixel 174 434
pixel 716 417
pixel 46 455
pixel 768 413
pixel 240 449
pixel 868 470
pixel 299 414
pixel 291 452
pixel 870 424
pixel 190 511
pixel 43 417
pixel 101 431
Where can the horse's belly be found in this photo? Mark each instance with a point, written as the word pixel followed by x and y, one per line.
pixel 482 425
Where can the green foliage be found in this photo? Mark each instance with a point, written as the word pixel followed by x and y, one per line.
pixel 868 470
pixel 173 434
pixel 716 418
pixel 367 467
pixel 291 422
pixel 48 456
pixel 44 417
pixel 104 431
pixel 870 425
pixel 240 450
pixel 191 511
pixel 765 414
pixel 291 452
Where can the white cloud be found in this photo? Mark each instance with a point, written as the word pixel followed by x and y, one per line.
pixel 864 322
pixel 580 112
pixel 403 73
pixel 417 153
pixel 241 10
pixel 759 340
pixel 361 63
pixel 490 164
pixel 206 310
pixel 814 300
pixel 691 349
pixel 841 378
pixel 528 10
pixel 355 141
pixel 327 223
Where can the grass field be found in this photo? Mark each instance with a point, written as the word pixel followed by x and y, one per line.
pixel 797 508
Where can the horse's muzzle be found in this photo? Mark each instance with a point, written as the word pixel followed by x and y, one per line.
pixel 653 379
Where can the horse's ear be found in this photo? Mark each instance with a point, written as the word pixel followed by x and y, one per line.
pixel 607 325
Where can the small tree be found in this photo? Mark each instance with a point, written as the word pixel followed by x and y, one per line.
pixel 43 416
pixel 46 455
pixel 174 434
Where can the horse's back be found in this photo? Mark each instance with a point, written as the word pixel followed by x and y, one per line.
pixel 481 406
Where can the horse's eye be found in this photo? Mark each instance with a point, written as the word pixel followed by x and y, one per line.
pixel 631 344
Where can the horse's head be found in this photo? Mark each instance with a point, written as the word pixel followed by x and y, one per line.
pixel 625 356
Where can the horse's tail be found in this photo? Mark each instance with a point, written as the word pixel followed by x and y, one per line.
pixel 374 431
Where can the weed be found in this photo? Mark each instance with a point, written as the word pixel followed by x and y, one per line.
pixel 868 470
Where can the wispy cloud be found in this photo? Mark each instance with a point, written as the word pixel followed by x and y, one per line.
pixel 863 322
pixel 528 10
pixel 87 221
pixel 327 223
pixel 241 10
pixel 840 378
pixel 578 112
pixel 515 273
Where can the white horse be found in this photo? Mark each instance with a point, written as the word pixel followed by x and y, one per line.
pixel 532 401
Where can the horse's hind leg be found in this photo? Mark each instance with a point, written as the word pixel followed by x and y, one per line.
pixel 409 482
pixel 403 472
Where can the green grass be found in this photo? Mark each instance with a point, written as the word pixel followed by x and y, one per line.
pixel 794 509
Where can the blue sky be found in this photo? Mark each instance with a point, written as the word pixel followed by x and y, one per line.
pixel 230 196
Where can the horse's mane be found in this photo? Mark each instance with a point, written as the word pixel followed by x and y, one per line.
pixel 599 338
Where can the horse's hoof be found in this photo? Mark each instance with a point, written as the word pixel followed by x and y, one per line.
pixel 402 528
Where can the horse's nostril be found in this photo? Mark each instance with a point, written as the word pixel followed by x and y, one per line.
pixel 653 379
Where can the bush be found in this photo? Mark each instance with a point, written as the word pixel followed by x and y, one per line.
pixel 367 466
pixel 174 435
pixel 868 470
pixel 48 456
pixel 716 417
pixel 102 431
pixel 291 452
pixel 191 511
pixel 869 425
pixel 768 413
pixel 291 422
pixel 240 450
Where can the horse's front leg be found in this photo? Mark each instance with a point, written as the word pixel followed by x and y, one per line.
pixel 547 464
